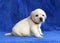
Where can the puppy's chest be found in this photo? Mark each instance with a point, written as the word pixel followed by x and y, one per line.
pixel 34 26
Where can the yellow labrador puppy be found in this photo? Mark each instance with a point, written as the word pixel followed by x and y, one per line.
pixel 30 25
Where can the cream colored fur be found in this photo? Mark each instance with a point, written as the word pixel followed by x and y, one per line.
pixel 27 27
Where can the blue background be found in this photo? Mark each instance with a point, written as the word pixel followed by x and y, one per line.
pixel 12 11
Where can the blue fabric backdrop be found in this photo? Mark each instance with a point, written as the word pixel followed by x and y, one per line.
pixel 12 11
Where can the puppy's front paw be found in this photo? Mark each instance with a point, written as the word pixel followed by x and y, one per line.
pixel 39 36
pixel 41 33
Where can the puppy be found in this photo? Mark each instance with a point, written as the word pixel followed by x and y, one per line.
pixel 30 25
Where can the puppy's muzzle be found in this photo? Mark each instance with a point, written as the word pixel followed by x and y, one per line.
pixel 41 19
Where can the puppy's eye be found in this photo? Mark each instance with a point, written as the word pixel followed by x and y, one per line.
pixel 36 15
pixel 42 15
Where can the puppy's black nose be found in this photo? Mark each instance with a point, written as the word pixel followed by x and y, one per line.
pixel 41 19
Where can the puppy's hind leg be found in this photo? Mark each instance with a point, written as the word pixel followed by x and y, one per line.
pixel 17 34
pixel 8 34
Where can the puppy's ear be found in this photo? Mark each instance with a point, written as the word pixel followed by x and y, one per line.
pixel 32 14
pixel 45 16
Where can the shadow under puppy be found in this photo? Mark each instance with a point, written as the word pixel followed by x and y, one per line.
pixel 30 25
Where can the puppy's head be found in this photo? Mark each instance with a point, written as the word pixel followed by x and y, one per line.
pixel 38 15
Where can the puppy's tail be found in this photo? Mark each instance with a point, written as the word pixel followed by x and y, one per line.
pixel 8 34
